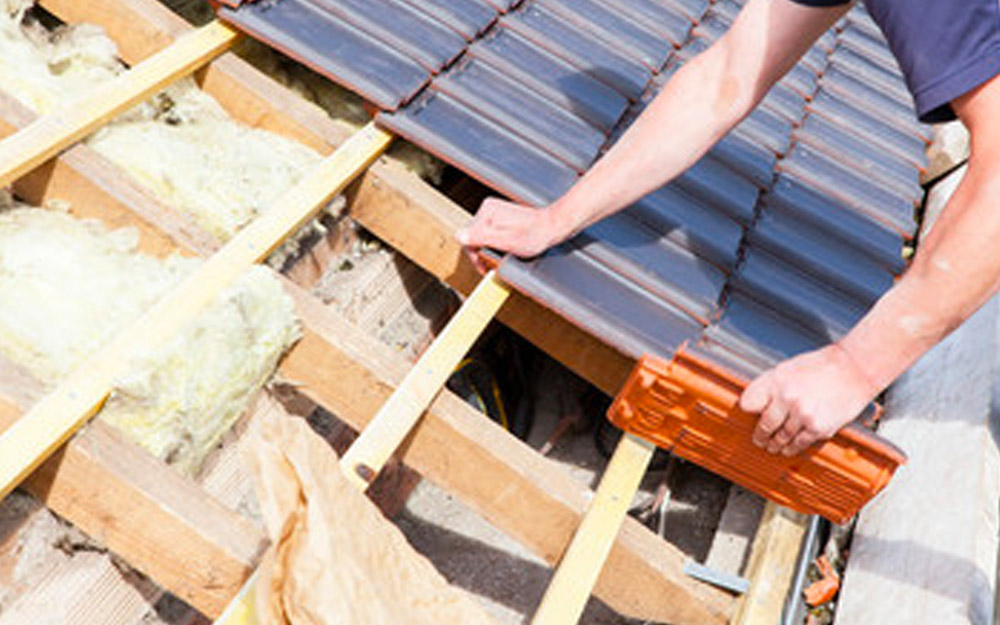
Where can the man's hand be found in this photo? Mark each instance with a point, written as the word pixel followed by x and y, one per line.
pixel 509 227
pixel 806 399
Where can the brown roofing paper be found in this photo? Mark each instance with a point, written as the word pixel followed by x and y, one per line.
pixel 334 558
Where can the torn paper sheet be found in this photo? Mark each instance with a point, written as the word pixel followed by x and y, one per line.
pixel 334 558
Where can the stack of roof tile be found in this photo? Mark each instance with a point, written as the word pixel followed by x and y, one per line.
pixel 774 243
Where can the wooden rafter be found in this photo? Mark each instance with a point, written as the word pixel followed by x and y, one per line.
pixel 163 523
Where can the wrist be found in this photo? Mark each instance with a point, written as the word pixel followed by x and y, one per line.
pixel 560 222
pixel 868 379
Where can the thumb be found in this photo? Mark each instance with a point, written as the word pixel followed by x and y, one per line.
pixel 757 395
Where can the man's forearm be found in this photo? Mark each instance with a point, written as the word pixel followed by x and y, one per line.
pixel 957 268
pixel 698 106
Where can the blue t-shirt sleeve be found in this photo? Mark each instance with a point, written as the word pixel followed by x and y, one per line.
pixel 944 48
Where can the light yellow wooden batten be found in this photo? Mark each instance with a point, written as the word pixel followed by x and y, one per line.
pixel 54 419
pixel 49 135
pixel 772 565
pixel 581 565
pixel 400 413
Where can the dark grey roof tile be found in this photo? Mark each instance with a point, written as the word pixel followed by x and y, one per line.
pixel 467 17
pixel 492 153
pixel 853 119
pixel 602 61
pixel 886 169
pixel 330 46
pixel 851 188
pixel 822 254
pixel 592 297
pixel 781 286
pixel 669 22
pixel 510 103
pixel 654 263
pixel 806 203
pixel 424 39
pixel 692 222
pixel 611 25
pixel 552 77
pixel 761 334
pixel 718 185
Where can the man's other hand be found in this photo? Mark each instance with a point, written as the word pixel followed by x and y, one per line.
pixel 806 399
pixel 510 227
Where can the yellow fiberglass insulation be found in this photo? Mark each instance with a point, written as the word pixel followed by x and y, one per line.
pixel 68 286
pixel 186 149
pixel 181 144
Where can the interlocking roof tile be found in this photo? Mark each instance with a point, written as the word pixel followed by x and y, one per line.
pixel 810 205
pixel 498 157
pixel 785 287
pixel 555 78
pixel 331 46
pixel 555 278
pixel 661 17
pixel 721 186
pixel 616 27
pixel 426 40
pixel 587 53
pixel 763 335
pixel 852 119
pixel 890 82
pixel 695 223
pixel 868 43
pixel 655 263
pixel 466 17
pixel 853 189
pixel 887 170
pixel 503 99
pixel 821 253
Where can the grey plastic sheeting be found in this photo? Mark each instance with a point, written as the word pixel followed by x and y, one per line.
pixel 776 242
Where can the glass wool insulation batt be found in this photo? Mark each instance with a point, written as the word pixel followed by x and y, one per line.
pixel 68 285
pixel 181 144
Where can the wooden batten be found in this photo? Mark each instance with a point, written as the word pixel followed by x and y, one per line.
pixel 526 495
pixel 771 567
pixel 53 419
pixel 581 565
pixel 400 413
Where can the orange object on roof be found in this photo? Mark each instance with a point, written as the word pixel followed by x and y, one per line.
pixel 691 408
pixel 825 588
